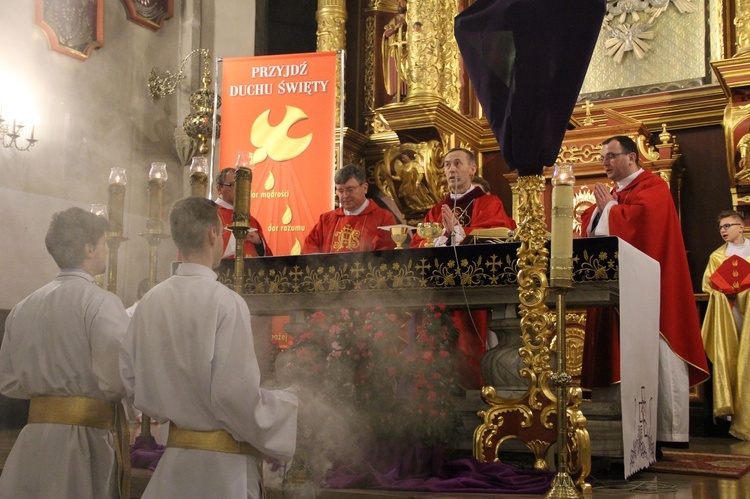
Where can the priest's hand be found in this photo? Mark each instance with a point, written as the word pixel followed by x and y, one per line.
pixel 253 237
pixel 449 219
pixel 603 196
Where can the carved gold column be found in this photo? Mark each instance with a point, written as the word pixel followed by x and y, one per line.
pixel 450 84
pixel 331 17
pixel 531 418
pixel 424 41
pixel 742 26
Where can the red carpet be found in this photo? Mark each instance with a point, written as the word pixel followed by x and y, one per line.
pixel 702 464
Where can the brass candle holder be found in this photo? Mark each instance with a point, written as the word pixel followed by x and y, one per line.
pixel 243 179
pixel 154 234
pixel 561 280
pixel 429 231
pixel 100 210
pixel 199 177
pixel 116 206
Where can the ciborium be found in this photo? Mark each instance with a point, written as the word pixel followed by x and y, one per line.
pixel 430 231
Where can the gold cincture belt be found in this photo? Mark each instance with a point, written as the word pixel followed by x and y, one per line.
pixel 80 411
pixel 94 413
pixel 216 440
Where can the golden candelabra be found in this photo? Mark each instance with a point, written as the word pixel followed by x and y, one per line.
pixel 241 216
pixel 199 177
pixel 561 280
pixel 199 123
pixel 116 204
pixel 154 234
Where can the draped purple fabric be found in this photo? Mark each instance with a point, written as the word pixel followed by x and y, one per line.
pixel 527 60
pixel 423 469
pixel 145 453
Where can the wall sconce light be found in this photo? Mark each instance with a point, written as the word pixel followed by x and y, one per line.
pixel 199 123
pixel 11 133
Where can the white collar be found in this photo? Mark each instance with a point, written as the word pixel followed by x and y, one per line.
pixel 627 180
pixel 224 204
pixel 459 196
pixel 358 210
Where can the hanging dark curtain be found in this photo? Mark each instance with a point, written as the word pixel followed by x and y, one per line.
pixel 527 60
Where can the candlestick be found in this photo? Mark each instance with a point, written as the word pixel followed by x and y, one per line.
pixel 561 259
pixel 154 234
pixel 198 177
pixel 243 179
pixel 117 181
pixel 561 279
pixel 157 175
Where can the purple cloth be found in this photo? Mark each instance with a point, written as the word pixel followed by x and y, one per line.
pixel 145 453
pixel 527 60
pixel 425 470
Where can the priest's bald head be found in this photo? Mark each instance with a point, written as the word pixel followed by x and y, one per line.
pixel 619 157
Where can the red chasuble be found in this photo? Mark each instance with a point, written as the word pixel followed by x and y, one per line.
pixel 732 276
pixel 226 218
pixel 475 210
pixel 645 217
pixel 337 232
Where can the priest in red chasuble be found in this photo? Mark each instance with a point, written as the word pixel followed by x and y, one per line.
pixel 641 211
pixel 353 226
pixel 466 207
pixel 726 326
pixel 255 243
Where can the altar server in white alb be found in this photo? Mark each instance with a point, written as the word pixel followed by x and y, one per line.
pixel 188 358
pixel 60 350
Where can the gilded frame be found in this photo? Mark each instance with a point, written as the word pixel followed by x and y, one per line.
pixel 149 13
pixel 682 108
pixel 73 28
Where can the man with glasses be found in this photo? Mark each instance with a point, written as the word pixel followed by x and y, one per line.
pixel 353 226
pixel 641 212
pixel 726 330
pixel 255 243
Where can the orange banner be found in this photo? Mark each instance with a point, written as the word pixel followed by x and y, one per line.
pixel 282 109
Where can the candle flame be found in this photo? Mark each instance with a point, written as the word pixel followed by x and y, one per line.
pixel 297 248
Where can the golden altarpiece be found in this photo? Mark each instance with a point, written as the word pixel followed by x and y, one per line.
pixel 413 102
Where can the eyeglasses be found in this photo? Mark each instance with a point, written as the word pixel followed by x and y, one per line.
pixel 611 156
pixel 726 226
pixel 348 191
pixel 230 184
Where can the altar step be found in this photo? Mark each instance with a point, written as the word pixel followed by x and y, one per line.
pixel 603 422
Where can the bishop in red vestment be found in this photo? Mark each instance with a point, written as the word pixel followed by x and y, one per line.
pixel 353 226
pixel 642 212
pixel 466 207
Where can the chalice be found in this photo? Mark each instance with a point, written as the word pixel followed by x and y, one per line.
pixel 398 234
pixel 430 231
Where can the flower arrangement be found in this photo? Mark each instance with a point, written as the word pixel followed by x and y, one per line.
pixel 392 372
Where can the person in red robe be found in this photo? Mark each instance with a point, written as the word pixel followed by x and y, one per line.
pixel 255 243
pixel 466 207
pixel 641 211
pixel 353 226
